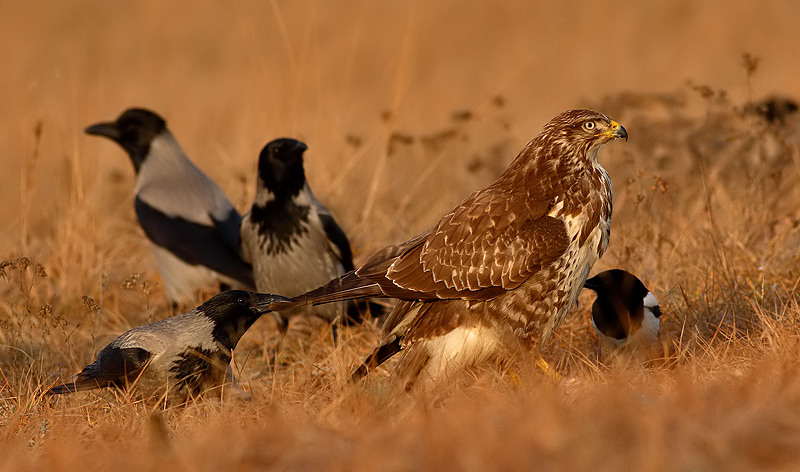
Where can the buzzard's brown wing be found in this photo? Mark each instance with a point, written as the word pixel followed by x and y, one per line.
pixel 490 244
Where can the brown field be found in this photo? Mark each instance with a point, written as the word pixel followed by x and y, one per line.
pixel 406 108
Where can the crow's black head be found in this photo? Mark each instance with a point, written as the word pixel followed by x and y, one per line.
pixel 234 311
pixel 134 130
pixel 621 302
pixel 618 284
pixel 280 167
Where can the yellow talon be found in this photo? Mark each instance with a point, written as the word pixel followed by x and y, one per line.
pixel 549 371
pixel 515 381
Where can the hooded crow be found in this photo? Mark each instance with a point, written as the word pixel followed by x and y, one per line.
pixel 193 227
pixel 499 273
pixel 177 358
pixel 625 310
pixel 290 238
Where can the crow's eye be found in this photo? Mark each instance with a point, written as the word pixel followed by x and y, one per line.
pixel 241 301
pixel 589 125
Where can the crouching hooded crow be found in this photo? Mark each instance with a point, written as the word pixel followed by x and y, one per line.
pixel 177 358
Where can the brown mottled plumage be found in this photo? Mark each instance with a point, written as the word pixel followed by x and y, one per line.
pixel 502 269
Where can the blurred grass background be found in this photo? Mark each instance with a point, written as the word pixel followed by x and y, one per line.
pixel 407 107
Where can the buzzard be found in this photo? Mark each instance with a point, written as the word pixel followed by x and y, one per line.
pixel 501 270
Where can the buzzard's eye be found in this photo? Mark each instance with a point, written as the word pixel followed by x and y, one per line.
pixel 589 125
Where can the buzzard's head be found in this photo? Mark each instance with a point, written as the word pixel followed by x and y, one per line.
pixel 583 132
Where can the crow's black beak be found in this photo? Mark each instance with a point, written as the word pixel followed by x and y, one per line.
pixel 109 130
pixel 267 302
pixel 299 147
pixel 294 153
pixel 592 284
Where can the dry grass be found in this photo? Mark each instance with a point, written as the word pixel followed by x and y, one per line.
pixel 407 107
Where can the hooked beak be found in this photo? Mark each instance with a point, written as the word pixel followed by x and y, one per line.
pixel 618 131
pixel 109 130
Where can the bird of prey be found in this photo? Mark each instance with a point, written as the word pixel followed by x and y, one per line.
pixel 625 310
pixel 290 238
pixel 502 269
pixel 193 227
pixel 179 357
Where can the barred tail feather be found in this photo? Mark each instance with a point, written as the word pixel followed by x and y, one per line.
pixel 347 287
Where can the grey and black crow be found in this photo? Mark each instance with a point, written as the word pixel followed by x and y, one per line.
pixel 177 358
pixel 193 227
pixel 503 268
pixel 289 237
pixel 625 310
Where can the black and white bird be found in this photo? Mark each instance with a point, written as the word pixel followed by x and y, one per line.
pixel 193 227
pixel 289 237
pixel 625 311
pixel 177 358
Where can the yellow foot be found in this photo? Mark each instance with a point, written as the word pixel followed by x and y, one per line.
pixel 542 364
pixel 515 381
pixel 548 371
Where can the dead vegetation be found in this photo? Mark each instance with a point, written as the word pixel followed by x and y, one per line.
pixel 707 213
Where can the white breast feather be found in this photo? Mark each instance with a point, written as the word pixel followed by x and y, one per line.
pixel 458 349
